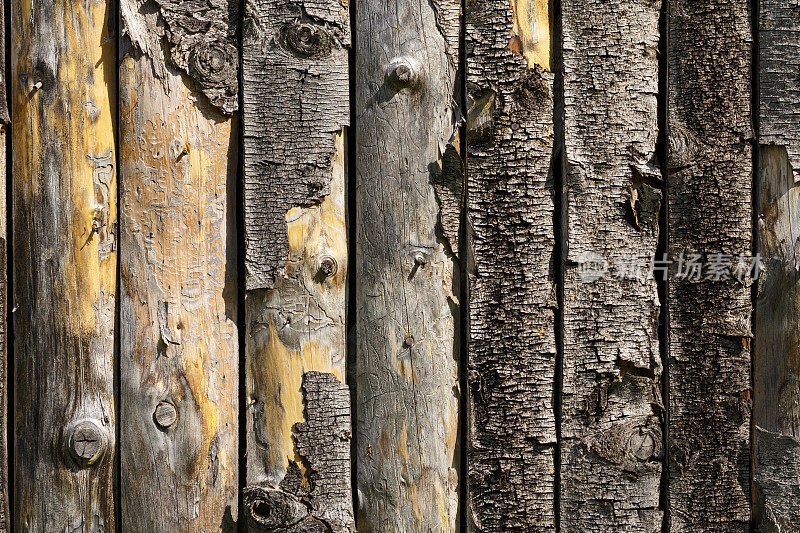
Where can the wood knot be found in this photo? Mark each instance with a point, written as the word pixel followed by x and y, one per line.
pixel 306 39
pixel 214 62
pixel 86 441
pixel 272 509
pixel 404 73
pixel 165 415
pixel 328 267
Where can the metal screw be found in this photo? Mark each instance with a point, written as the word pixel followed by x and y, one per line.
pixel 165 415
pixel 86 440
pixel 328 266
pixel 37 85
pixel 409 342
pixel 419 259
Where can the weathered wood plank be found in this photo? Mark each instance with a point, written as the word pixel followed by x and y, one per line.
pixel 65 209
pixel 178 305
pixel 512 301
pixel 612 417
pixel 5 517
pixel 296 106
pixel 776 350
pixel 407 172
pixel 710 181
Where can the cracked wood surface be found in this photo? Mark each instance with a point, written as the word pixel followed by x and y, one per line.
pixel 611 453
pixel 776 350
pixel 296 110
pixel 5 517
pixel 512 301
pixel 179 344
pixel 65 208
pixel 406 285
pixel 710 209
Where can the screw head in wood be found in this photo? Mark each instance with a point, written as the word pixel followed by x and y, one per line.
pixel 328 266
pixel 419 259
pixel 403 72
pixel 165 415
pixel 86 440
pixel 409 341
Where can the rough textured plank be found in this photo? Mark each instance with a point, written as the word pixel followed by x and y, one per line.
pixel 512 347
pixel 710 180
pixel 179 345
pixel 407 309
pixel 776 350
pixel 612 429
pixel 296 104
pixel 65 209
pixel 5 517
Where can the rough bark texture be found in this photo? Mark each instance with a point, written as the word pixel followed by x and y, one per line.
pixel 406 345
pixel 179 345
pixel 710 179
pixel 776 364
pixel 512 347
pixel 65 209
pixel 296 102
pixel 611 452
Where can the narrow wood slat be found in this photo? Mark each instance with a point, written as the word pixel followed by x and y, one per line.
pixel 408 174
pixel 512 300
pixel 710 210
pixel 776 350
pixel 612 415
pixel 296 109
pixel 179 343
pixel 65 264
pixel 5 517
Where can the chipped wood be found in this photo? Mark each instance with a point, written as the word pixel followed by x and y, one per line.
pixel 179 344
pixel 65 212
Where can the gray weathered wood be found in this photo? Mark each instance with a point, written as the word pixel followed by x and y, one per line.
pixel 65 264
pixel 5 517
pixel 178 302
pixel 406 284
pixel 611 452
pixel 512 301
pixel 710 209
pixel 296 109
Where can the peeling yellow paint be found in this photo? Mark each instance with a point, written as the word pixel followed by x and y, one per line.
pixel 530 34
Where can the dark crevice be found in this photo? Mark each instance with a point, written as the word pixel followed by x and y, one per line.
pixel 241 311
pixel 755 99
pixel 9 262
pixel 662 249
pixel 115 25
pixel 463 516
pixel 559 250
pixel 352 269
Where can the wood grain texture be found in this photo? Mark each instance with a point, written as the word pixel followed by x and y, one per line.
pixel 406 284
pixel 65 213
pixel 179 344
pixel 5 516
pixel 512 346
pixel 296 109
pixel 776 351
pixel 611 452
pixel 710 209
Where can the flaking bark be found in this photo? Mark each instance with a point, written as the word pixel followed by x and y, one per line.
pixel 710 187
pixel 512 349
pixel 611 452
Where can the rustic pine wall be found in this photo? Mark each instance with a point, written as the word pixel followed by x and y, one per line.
pixel 324 265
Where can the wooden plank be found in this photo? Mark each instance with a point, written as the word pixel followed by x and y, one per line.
pixel 407 178
pixel 512 300
pixel 65 264
pixel 178 306
pixel 611 453
pixel 5 517
pixel 710 188
pixel 296 106
pixel 776 350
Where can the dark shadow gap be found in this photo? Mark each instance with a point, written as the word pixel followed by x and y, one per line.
pixel 114 27
pixel 559 250
pixel 241 311
pixel 662 281
pixel 755 105
pixel 463 514
pixel 9 262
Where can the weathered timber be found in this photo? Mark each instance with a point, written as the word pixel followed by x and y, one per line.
pixel 178 301
pixel 512 301
pixel 65 213
pixel 709 168
pixel 611 454
pixel 5 517
pixel 408 174
pixel 776 350
pixel 296 109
